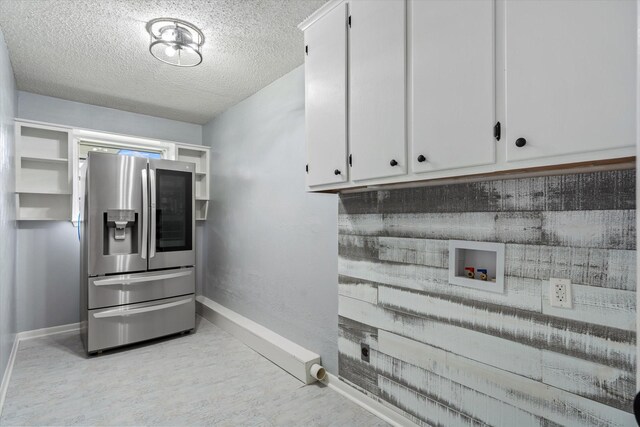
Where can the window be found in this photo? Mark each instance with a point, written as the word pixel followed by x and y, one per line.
pixel 86 141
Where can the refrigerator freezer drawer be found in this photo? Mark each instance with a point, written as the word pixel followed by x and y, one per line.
pixel 113 327
pixel 123 289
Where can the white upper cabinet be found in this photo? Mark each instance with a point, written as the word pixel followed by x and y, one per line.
pixel 326 98
pixel 452 80
pixel 377 92
pixel 570 77
pixel 408 90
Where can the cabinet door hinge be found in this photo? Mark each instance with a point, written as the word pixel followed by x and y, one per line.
pixel 349 21
pixel 306 50
pixel 307 168
pixel 496 131
pixel 350 160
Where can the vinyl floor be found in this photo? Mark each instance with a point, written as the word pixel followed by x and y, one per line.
pixel 206 378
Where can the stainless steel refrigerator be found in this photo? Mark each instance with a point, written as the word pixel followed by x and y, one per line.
pixel 137 250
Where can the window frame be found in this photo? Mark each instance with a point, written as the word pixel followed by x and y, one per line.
pixel 111 140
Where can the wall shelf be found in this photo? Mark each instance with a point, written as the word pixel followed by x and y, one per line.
pixel 38 191
pixel 199 156
pixel 45 159
pixel 194 155
pixel 43 206
pixel 43 175
pixel 202 207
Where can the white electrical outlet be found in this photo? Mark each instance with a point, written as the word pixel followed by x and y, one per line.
pixel 560 293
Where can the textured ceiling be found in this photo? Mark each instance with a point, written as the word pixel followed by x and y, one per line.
pixel 96 52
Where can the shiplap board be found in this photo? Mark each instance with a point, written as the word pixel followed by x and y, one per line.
pixel 611 268
pixel 358 246
pixel 600 229
pixel 608 307
pixel 486 226
pixel 514 357
pixel 460 398
pixel 360 224
pixel 357 289
pixel 463 331
pixel 358 373
pixel 584 191
pixel 614 229
pixel 433 253
pixel 603 383
pixel 349 347
pixel 432 412
pixel 356 333
pixel 549 366
pixel 609 385
pixel 532 396
pixel 519 292
pixel 605 345
pixel 351 367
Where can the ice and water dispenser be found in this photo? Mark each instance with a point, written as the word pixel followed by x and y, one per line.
pixel 120 231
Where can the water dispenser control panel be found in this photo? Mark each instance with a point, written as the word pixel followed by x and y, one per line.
pixel 119 219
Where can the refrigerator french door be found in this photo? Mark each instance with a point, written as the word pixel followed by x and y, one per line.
pixel 141 214
pixel 138 250
pixel 172 208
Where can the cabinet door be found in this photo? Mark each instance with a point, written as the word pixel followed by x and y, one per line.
pixel 570 76
pixel 377 88
pixel 452 83
pixel 326 98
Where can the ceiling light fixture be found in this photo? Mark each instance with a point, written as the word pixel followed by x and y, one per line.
pixel 175 42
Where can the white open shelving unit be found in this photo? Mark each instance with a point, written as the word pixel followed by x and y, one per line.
pixel 43 175
pixel 200 156
pixel 47 160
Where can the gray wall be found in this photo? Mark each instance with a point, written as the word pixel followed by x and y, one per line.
pixel 59 111
pixel 8 107
pixel 48 259
pixel 272 247
pixel 48 272
pixel 451 355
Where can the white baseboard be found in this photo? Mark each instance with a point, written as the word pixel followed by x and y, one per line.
pixel 37 333
pixel 4 386
pixel 288 355
pixel 22 336
pixel 375 407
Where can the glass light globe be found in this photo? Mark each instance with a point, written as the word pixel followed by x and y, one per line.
pixel 169 35
pixel 170 51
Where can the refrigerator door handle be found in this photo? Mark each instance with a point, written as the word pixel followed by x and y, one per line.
pixel 121 313
pixel 134 280
pixel 152 180
pixel 145 213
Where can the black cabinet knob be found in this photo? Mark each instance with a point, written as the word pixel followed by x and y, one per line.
pixel 521 142
pixel 393 163
pixel 337 172
pixel 421 158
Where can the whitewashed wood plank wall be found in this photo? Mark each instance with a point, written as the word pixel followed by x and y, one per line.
pixel 449 355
